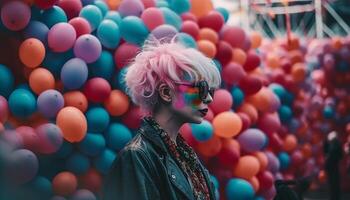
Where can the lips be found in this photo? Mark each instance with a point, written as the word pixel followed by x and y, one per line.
pixel 203 111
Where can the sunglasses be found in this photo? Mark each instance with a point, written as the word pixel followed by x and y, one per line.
pixel 203 88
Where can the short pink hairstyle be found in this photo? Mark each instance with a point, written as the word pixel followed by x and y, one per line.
pixel 164 61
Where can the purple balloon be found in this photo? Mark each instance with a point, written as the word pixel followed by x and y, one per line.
pixel 88 48
pixel 50 138
pixel 13 139
pixel 252 140
pixel 74 73
pixel 50 102
pixel 83 194
pixel 273 162
pixel 15 15
pixel 164 31
pixel 38 30
pixel 61 37
pixel 131 8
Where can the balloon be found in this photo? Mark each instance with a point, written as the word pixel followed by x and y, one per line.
pixel 50 102
pixel 213 20
pixel 83 194
pixel 113 4
pixel 229 153
pixel 255 183
pixel 32 52
pixel 269 123
pixel 208 34
pixel 149 3
pixel 117 136
pixel 186 40
pixel 91 180
pixel 58 198
pixel 285 113
pixel 53 16
pixel 38 187
pixel 4 109
pixel 45 4
pixel 224 53
pixel 227 124
pixel 92 144
pixel 164 31
pixel 252 140
pixel 203 131
pixel 246 122
pixel 247 167
pixel 61 37
pixel 15 15
pixel 117 103
pixel 98 119
pixel 273 163
pixel 266 180
pixel 40 80
pixel 97 90
pixel 261 156
pixel 245 191
pixel 54 61
pixel 250 110
pixel 152 17
pixel 64 183
pixel 6 81
pixel 88 48
pixel 238 40
pixel 200 8
pixel 210 147
pixel 65 150
pixel 250 85
pixel 222 101
pixel 264 100
pixel 103 67
pixel 207 48
pixel 252 62
pixel 284 160
pixel 114 16
pixel 191 28
pixel 132 117
pixel 180 6
pixel 77 163
pixel 298 72
pixel 29 137
pixel 237 95
pixel 104 161
pixel 171 18
pixel 81 26
pixel 233 73
pixel 256 39
pixel 102 6
pixel 50 138
pixel 72 123
pixel 76 99
pixel 124 53
pixel 239 56
pixel 22 103
pixel 131 8
pixel 108 34
pixel 71 8
pixel 92 14
pixel 133 30
pixel 74 73
pixel 38 30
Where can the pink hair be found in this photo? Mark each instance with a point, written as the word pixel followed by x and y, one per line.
pixel 166 62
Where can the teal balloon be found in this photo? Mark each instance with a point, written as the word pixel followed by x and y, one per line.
pixel 65 150
pixel 104 161
pixel 187 40
pixel 203 131
pixel 328 112
pixel 278 90
pixel 78 163
pixel 218 65
pixel 102 6
pixel 239 189
pixel 117 135
pixel 180 6
pixel 119 80
pixel 92 14
pixel 114 16
pixel 287 99
pixel 53 16
pixel 6 81
pixel 237 95
pixel 284 159
pixel 54 61
pixel 259 198
pixel 36 13
pixel 171 18
pixel 162 3
pixel 22 103
pixel 215 181
pixel 39 187
pixel 103 67
pixel 133 30
pixel 285 113
pixel 108 34
pixel 224 12
pixel 97 119
pixel 92 144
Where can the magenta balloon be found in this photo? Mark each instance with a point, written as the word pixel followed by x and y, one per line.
pixel 15 15
pixel 238 41
pixel 252 140
pixel 232 73
pixel 61 37
pixel 88 48
pixel 131 8
pixel 50 138
pixel 269 123
pixel 164 31
pixel 4 109
pixel 152 17
pixel 50 102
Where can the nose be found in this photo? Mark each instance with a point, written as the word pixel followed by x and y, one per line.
pixel 208 100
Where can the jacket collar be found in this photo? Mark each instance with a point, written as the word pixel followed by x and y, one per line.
pixel 152 135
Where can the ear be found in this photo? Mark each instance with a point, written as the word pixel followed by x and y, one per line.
pixel 165 92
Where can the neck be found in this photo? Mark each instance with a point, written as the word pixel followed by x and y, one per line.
pixel 169 123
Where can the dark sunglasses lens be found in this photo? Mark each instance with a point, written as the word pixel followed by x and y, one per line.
pixel 211 92
pixel 203 89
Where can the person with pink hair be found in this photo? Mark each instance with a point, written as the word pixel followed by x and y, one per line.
pixel 173 85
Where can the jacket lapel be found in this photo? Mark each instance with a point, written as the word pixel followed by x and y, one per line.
pixel 208 181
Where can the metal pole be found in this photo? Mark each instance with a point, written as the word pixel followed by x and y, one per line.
pixel 318 19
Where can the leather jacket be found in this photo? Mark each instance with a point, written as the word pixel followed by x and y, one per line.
pixel 145 170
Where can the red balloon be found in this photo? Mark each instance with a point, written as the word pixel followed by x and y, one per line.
pixel 45 4
pixel 265 179
pixel 4 109
pixel 213 20
pixel 234 35
pixel 125 53
pixel 275 142
pixel 229 154
pixel 233 73
pixel 92 181
pixel 269 123
pixel 250 85
pixel 29 137
pixel 97 90
pixel 132 118
pixel 81 26
pixel 191 28
pixel 71 8
pixel 297 158
pixel 224 52
pixel 246 121
pixel 188 16
pixel 252 62
pixel 186 133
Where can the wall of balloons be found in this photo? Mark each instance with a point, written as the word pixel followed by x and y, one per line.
pixel 64 114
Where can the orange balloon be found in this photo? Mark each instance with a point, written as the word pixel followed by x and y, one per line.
pixel 255 183
pixel 250 110
pixel 306 150
pixel 64 183
pixel 117 103
pixel 207 48
pixel 256 39
pixel 337 43
pixel 232 143
pixel 40 80
pixel 72 123
pixel 298 72
pixel 264 100
pixel 76 99
pixel 113 4
pixel 227 124
pixel 208 34
pixel 32 52
pixel 272 61
pixel 247 167
pixel 262 160
pixel 239 56
pixel 322 176
pixel 296 56
pixel 210 147
pixel 201 8
pixel 290 143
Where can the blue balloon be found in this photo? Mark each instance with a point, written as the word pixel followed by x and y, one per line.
pixel 117 135
pixel 22 103
pixel 328 112
pixel 6 81
pixel 55 61
pixel 92 144
pixel 180 6
pixel 92 14
pixel 171 18
pixel 108 34
pixel 104 161
pixel 239 189
pixel 50 102
pixel 187 40
pixel 103 67
pixel 65 150
pixel 114 16
pixel 284 159
pixel 133 30
pixel 285 113
pixel 102 6
pixel 215 181
pixel 97 119
pixel 224 12
pixel 203 131
pixel 74 73
pixel 53 16
pixel 238 96
pixel 162 3
pixel 38 30
pixel 78 163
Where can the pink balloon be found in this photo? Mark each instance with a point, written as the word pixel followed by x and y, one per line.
pixel 189 16
pixel 81 26
pixel 4 109
pixel 222 101
pixel 152 17
pixel 125 53
pixel 191 28
pixel 213 20
pixel 50 138
pixel 224 53
pixel 15 15
pixel 269 123
pixel 149 3
pixel 131 8
pixel 234 35
pixel 29 137
pixel 71 8
pixel 88 48
pixel 233 73
pixel 61 37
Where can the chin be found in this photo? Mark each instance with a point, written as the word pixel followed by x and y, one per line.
pixel 196 120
